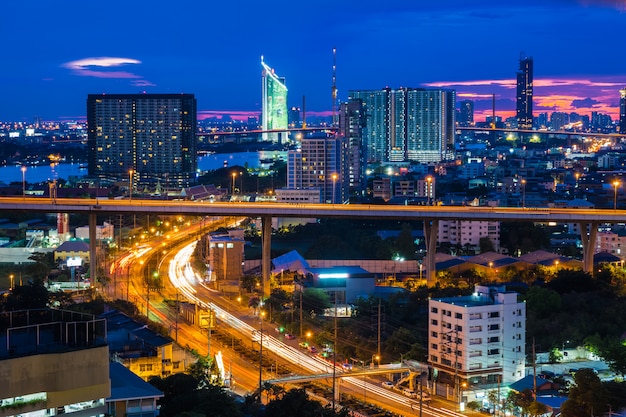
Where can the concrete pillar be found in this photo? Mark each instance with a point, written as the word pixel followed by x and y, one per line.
pixel 93 254
pixel 588 235
pixel 266 260
pixel 431 227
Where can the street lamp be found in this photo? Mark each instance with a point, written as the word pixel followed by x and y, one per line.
pixel 234 175
pixel 334 187
pixel 375 358
pixel 23 181
pixel 615 185
pixel 130 184
pixel 429 182
pixel 523 193
pixel 11 281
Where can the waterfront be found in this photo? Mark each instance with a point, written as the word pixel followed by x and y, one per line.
pixel 43 173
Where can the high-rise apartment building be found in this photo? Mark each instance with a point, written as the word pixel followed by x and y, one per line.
pixel 352 124
pixel 150 137
pixel 319 164
pixel 524 108
pixel 274 107
pixel 479 338
pixel 466 113
pixel 622 111
pixel 409 124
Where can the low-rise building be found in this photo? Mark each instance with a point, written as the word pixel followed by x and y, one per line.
pixel 477 339
pixel 53 362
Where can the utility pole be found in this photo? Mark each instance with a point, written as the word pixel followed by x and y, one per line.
pixel 300 310
pixel 378 348
pixel 335 355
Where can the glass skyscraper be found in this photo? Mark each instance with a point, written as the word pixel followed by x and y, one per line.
pixel 524 113
pixel 408 124
pixel 149 136
pixel 274 108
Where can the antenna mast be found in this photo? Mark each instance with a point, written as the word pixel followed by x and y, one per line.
pixel 334 87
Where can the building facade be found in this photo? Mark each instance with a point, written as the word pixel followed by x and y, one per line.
pixel 53 362
pixel 466 113
pixel 408 124
pixel 352 125
pixel 479 338
pixel 524 97
pixel 622 111
pixel 469 233
pixel 320 163
pixel 274 115
pixel 142 138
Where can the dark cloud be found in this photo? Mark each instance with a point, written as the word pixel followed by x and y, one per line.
pixel 584 103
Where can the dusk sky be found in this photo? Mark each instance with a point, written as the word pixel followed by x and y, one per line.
pixel 57 52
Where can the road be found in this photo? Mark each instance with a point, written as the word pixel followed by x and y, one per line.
pixel 190 286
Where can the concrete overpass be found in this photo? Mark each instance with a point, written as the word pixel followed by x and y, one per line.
pixel 588 219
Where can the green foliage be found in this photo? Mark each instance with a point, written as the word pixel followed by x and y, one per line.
pixel 296 402
pixel 404 244
pixel 315 299
pixel 587 397
pixel 30 296
pixel 555 355
pixel 486 245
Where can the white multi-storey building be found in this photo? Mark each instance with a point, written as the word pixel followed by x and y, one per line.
pixel 458 232
pixel 478 338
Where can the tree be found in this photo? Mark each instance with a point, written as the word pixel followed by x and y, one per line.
pixel 248 282
pixel 486 245
pixel 25 297
pixel 41 266
pixel 315 300
pixel 587 397
pixel 405 243
pixel 296 402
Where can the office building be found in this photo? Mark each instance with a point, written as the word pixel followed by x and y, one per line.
pixel 149 137
pixel 524 108
pixel 408 124
pixel 274 105
pixel 466 113
pixel 319 164
pixel 53 362
pixel 478 339
pixel 622 111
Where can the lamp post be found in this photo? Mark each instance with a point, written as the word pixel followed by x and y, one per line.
pixel 615 185
pixel 234 175
pixel 130 184
pixel 23 169
pixel 334 188
pixel 11 281
pixel 429 181
pixel 523 193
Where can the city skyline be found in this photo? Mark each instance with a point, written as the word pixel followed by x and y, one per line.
pixel 62 53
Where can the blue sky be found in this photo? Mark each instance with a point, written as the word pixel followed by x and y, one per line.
pixel 56 52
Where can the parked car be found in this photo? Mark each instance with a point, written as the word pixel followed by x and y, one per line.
pixel 387 385
pixel 312 349
pixel 289 336
pixel 303 345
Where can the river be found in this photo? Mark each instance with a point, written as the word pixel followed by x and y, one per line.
pixel 42 173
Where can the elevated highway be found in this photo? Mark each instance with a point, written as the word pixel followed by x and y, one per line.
pixel 588 219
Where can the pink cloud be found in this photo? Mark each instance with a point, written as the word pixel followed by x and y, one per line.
pixel 104 67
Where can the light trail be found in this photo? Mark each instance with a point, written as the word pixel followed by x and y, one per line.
pixel 184 278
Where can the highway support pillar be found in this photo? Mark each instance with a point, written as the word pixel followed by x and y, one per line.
pixel 266 258
pixel 588 235
pixel 93 250
pixel 431 227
